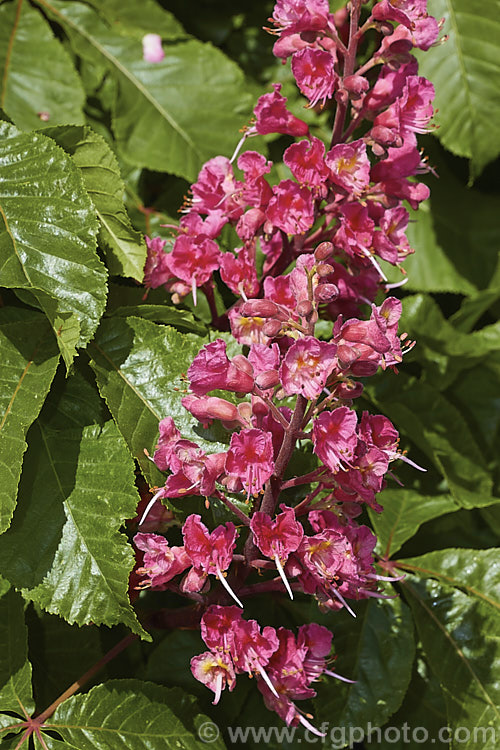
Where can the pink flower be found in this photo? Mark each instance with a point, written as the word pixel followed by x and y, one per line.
pixel 349 167
pixel 217 189
pixel 218 627
pixel 247 329
pixel 306 367
pixel 161 562
pixel 239 272
pixel 216 671
pixel 306 162
pixel 210 553
pixel 157 270
pixel 208 408
pixel 194 259
pixel 250 459
pixel 211 370
pixel 272 116
pixel 389 84
pixel 169 436
pixel 391 243
pixel 301 15
pixel 314 72
pixel 256 189
pixel 152 51
pixel 291 208
pixel 335 438
pixel 277 539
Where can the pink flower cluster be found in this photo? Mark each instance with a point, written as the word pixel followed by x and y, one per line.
pixel 285 665
pixel 351 194
pixel 324 234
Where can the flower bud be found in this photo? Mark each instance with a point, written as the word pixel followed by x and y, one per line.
pixel 323 251
pixel 271 328
pixel 325 292
pixel 324 269
pixel 304 308
pixel 267 379
pixel 262 308
pixel 259 407
pixel 242 363
pixel 355 85
pixel 245 411
pixel 219 408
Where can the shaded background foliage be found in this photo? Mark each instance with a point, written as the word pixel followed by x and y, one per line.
pixel 98 148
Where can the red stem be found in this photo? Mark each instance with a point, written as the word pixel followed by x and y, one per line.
pixel 349 63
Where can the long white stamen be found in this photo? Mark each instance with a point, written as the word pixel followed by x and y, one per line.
pixel 396 284
pixel 149 506
pixel 238 147
pixel 409 461
pixel 310 726
pixel 266 679
pixel 228 588
pixel 338 677
pixel 283 576
pixel 193 289
pixel 385 578
pixel 374 262
pixel 343 601
pixel 218 689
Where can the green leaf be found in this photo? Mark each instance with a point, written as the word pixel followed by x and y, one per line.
pixel 47 236
pixel 183 320
pixel 440 431
pixel 125 248
pixel 128 714
pixel 457 617
pixel 473 308
pixel 137 20
pixel 455 234
pixel 431 269
pixel 156 113
pixel 59 653
pixel 15 670
pixel 377 650
pixel 38 80
pixel 29 361
pixel 423 709
pixel 404 512
pixel 443 350
pixel 466 74
pixel 477 394
pixel 140 368
pixel 77 489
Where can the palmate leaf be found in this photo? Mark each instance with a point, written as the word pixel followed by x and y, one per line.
pixel 423 710
pixel 466 74
pixel 47 236
pixel 437 427
pixel 15 670
pixel 128 714
pixel 148 17
pixel 37 77
pixel 404 512
pixel 76 490
pixel 458 619
pixel 29 361
pixel 443 350
pixel 455 233
pixel 140 368
pixel 125 248
pixel 377 650
pixel 156 113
